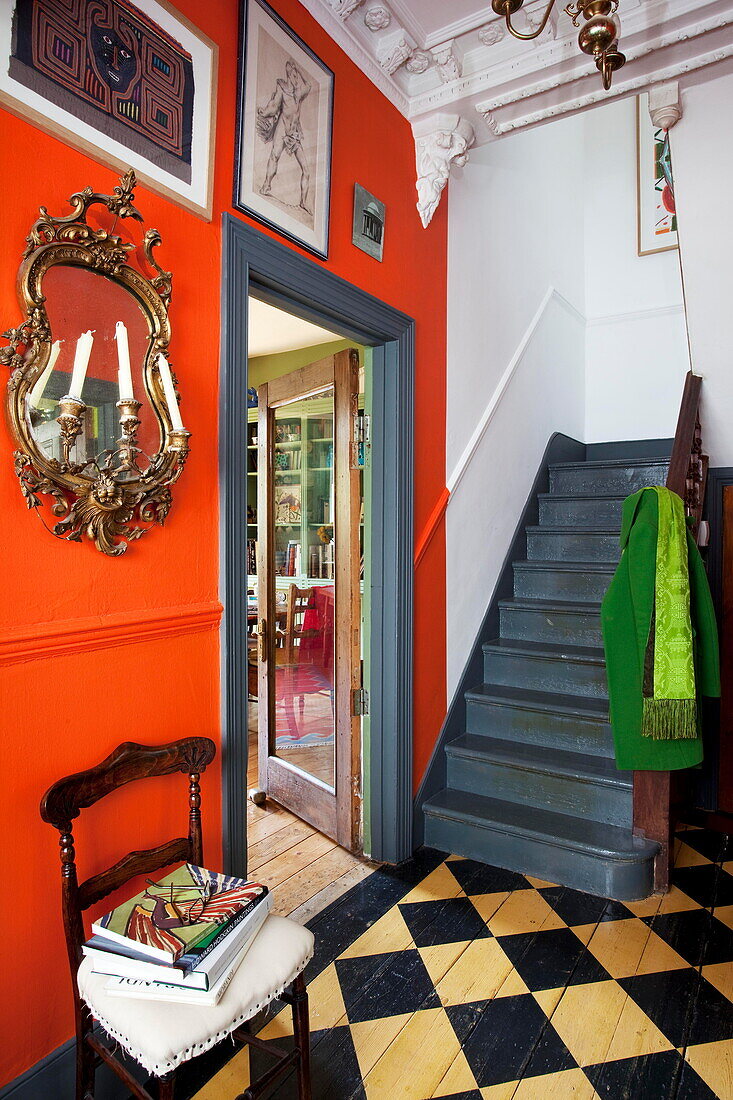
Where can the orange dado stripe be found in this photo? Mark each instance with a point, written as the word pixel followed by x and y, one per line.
pixel 431 526
pixel 106 631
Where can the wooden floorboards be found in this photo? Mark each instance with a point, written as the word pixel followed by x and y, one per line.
pixel 305 870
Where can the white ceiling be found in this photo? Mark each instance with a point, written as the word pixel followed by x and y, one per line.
pixel 272 330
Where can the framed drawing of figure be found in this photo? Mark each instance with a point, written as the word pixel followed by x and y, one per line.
pixel 130 83
pixel 282 173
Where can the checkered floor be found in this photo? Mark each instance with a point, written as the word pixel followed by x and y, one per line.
pixel 449 978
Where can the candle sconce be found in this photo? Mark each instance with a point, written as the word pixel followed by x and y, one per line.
pixel 91 398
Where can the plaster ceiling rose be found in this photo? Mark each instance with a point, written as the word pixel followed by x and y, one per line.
pixel 377 18
pixel 490 34
pixel 420 61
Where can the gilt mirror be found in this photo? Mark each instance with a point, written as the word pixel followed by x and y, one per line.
pixel 92 398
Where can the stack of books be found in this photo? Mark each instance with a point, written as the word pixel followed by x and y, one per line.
pixel 180 939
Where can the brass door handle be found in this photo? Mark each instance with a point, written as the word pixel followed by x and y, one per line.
pixel 262 634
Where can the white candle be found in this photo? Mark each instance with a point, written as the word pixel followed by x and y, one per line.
pixel 81 362
pixel 124 373
pixel 170 394
pixel 37 392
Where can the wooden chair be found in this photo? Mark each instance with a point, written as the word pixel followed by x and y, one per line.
pixel 298 602
pixel 161 1036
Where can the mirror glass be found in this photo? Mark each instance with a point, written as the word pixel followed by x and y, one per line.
pixel 80 300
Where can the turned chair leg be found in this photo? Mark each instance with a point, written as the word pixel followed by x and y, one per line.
pixel 84 1059
pixel 301 1032
pixel 166 1086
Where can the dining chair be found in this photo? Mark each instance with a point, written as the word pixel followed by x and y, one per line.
pixel 158 1035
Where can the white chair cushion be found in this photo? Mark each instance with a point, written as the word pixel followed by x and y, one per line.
pixel 160 1035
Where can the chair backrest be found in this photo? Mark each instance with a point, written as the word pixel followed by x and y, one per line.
pixel 298 602
pixel 65 799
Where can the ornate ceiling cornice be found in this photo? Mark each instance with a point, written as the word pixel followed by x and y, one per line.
pixel 471 70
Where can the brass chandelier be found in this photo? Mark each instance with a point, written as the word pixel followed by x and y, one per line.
pixel 598 35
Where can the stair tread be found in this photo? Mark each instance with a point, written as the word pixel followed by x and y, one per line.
pixel 584 706
pixel 608 841
pixel 529 603
pixel 591 654
pixel 610 463
pixel 566 566
pixel 571 497
pixel 544 759
pixel 555 529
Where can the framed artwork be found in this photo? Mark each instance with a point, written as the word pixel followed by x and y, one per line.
pixel 130 84
pixel 368 228
pixel 282 173
pixel 288 507
pixel 656 214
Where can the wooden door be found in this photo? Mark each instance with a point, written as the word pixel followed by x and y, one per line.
pixel 309 595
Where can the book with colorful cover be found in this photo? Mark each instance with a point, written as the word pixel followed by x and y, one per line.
pixel 189 908
pixel 200 968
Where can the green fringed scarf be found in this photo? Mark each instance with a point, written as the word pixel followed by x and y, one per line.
pixel 670 703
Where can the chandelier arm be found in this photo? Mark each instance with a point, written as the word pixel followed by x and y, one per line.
pixel 534 34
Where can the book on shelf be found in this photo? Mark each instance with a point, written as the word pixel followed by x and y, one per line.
pixel 167 991
pixel 199 969
pixel 189 907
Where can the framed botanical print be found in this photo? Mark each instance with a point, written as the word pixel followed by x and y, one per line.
pixel 282 174
pixel 130 84
pixel 656 212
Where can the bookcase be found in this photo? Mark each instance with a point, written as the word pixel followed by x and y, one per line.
pixel 304 504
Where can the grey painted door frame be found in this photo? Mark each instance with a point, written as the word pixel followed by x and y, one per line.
pixel 250 259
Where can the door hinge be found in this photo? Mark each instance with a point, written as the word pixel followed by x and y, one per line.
pixel 360 702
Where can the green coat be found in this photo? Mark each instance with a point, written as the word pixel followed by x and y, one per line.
pixel 626 617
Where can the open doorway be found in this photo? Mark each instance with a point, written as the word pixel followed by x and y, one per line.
pixel 254 263
pixel 308 465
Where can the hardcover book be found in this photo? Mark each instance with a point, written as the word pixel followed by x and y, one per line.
pixel 200 968
pixel 189 908
pixel 163 991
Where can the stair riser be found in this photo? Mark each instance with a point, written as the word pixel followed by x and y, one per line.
pixel 563 675
pixel 572 546
pixel 619 480
pixel 560 584
pixel 536 727
pixel 580 512
pixel 574 628
pixel 560 794
pixel 625 881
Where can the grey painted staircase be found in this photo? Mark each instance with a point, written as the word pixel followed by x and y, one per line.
pixel 531 783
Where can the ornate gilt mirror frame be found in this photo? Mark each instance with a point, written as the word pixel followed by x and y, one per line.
pixel 108 498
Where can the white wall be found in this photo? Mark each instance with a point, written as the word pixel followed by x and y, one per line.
pixel 503 254
pixel 702 158
pixel 636 342
pixel 550 207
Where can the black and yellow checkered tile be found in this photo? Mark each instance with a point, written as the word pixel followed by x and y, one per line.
pixel 449 978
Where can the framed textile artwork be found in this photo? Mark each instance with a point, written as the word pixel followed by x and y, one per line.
pixel 656 213
pixel 131 84
pixel 282 174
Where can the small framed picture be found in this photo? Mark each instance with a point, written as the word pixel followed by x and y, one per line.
pixel 656 213
pixel 282 173
pixel 133 85
pixel 368 229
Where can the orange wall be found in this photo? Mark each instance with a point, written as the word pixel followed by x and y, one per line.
pixel 62 712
